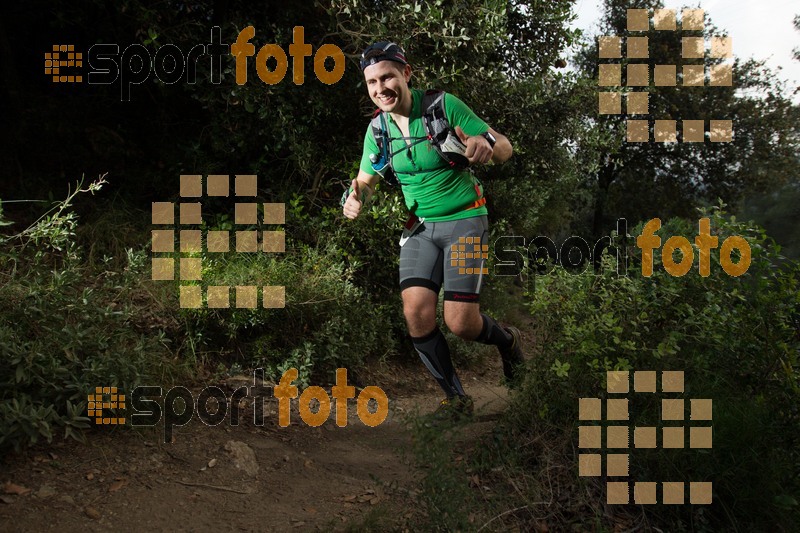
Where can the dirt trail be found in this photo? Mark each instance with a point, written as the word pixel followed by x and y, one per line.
pixel 307 478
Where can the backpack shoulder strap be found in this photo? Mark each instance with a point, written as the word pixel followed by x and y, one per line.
pixel 382 163
pixel 377 125
pixel 434 117
pixel 437 128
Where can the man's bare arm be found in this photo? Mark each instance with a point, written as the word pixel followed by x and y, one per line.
pixel 360 191
pixel 502 148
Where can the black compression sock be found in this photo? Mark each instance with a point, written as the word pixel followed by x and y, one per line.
pixel 492 333
pixel 435 353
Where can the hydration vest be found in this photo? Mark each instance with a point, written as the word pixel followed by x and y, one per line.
pixel 438 133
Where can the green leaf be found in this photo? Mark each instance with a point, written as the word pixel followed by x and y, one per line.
pixel 785 501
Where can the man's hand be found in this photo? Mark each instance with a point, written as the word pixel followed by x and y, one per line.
pixel 478 148
pixel 353 204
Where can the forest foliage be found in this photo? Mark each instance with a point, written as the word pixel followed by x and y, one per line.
pixel 78 308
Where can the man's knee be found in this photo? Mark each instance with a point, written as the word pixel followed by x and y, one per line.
pixel 419 308
pixel 459 327
pixel 463 321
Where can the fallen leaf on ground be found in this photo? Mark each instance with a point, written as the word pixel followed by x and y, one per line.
pixel 13 488
pixel 114 487
pixel 92 513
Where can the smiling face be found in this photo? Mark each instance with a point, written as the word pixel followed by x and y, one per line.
pixel 387 84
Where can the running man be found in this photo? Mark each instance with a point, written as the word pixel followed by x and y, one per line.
pixel 446 204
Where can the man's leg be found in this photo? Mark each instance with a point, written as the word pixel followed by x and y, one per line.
pixel 420 281
pixel 419 307
pixel 466 321
pixel 462 284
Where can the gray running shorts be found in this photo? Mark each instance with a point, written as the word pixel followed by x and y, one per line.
pixel 452 254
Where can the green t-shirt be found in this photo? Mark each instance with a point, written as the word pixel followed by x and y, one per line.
pixel 432 189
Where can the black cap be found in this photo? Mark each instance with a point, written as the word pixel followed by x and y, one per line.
pixel 382 51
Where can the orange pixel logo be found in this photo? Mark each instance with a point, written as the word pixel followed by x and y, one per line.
pixel 190 241
pixel 618 438
pixel 54 62
pixel 459 255
pixel 693 74
pixel 97 404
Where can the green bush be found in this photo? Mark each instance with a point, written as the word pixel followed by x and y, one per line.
pixel 66 329
pixel 71 321
pixel 737 341
pixel 341 296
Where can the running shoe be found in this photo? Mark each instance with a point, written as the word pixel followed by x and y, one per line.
pixel 455 408
pixel 512 356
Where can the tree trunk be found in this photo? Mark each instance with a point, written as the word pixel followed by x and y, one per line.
pixel 605 176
